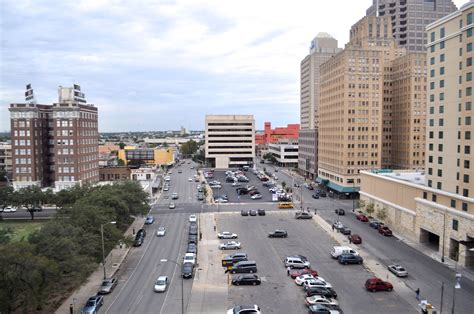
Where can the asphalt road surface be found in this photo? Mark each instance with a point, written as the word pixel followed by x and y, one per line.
pixel 278 293
pixel 424 272
pixel 46 213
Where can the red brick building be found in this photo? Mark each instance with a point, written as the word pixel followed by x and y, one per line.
pixel 273 135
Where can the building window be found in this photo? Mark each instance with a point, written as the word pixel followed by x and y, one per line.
pixel 467 135
pixel 433 197
pixel 464 207
pixel 431 122
pixel 441 32
pixel 432 85
pixel 453 203
pixel 430 171
pixel 440 160
pixel 455 224
pixel 432 60
pixel 441 71
pixel 469 61
pixel 466 178
pixel 441 58
pixel 439 185
pixel 440 134
pixel 469 76
pixel 440 147
pixel 430 146
pixel 441 45
pixel 441 96
pixel 441 108
pixel 469 91
pixel 441 83
pixel 465 192
pixel 430 159
pixel 433 36
pixel 467 149
pixel 469 18
pixel 441 122
pixel 467 120
pixel 431 98
pixel 432 48
pixel 432 73
pixel 440 173
pixel 466 164
pixel 468 105
pixel 425 195
pixel 469 47
pixel 469 32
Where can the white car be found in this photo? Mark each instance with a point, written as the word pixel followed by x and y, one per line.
pixel 216 186
pixel 274 177
pixel 319 299
pixel 226 235
pixel 161 232
pixel 256 196
pixel 190 179
pixel 316 282
pixel 172 205
pixel 192 218
pixel 231 245
pixel 189 258
pixel 301 279
pixel 174 196
pixel 161 284
pixel 236 184
pixel 398 270
pixel 9 209
pixel 245 309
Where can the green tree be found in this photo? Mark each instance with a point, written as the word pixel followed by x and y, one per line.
pixel 6 198
pixel 360 204
pixel 382 213
pixel 30 197
pixel 189 148
pixel 120 162
pixel 121 145
pixel 370 209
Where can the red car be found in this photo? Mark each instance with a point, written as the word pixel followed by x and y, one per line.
pixel 355 238
pixel 306 271
pixel 385 231
pixel 377 284
pixel 362 218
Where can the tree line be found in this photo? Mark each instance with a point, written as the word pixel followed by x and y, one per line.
pixel 38 273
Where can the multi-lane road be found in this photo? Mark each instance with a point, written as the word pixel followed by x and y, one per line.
pixel 278 294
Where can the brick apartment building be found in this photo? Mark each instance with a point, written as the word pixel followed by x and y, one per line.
pixel 54 145
pixel 274 135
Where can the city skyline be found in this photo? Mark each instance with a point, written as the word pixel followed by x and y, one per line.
pixel 146 57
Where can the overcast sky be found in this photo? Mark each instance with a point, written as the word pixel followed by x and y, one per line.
pixel 162 64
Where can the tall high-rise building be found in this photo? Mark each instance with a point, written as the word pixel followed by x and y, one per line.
pixel 323 47
pixel 230 140
pixel 355 99
pixel 55 145
pixel 410 17
pixel 450 132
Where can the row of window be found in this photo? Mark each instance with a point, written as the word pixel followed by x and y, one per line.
pixel 22 161
pixel 453 204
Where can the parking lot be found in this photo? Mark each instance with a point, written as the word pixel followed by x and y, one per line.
pixel 278 293
pixel 231 193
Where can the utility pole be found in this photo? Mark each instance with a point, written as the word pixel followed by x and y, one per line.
pixel 442 297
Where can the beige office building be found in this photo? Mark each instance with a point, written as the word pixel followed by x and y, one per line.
pixel 355 92
pixel 323 47
pixel 436 207
pixel 230 140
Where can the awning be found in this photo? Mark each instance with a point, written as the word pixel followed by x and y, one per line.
pixel 322 181
pixel 342 189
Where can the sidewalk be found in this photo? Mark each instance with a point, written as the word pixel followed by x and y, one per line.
pixel 112 264
pixel 210 289
pixel 399 286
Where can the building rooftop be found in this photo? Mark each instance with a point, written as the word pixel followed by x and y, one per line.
pixel 412 177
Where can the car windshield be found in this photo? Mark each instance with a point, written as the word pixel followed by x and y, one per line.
pixel 106 283
pixel 188 258
pixel 90 303
pixel 161 229
pixel 401 269
pixel 160 282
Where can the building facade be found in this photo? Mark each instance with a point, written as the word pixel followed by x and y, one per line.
pixel 229 140
pixel 114 173
pixel 274 135
pixel 323 47
pixel 285 153
pixel 55 145
pixel 410 17
pixel 6 162
pixel 355 102
pixel 132 155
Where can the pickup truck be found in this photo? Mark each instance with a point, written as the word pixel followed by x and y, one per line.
pixel 230 260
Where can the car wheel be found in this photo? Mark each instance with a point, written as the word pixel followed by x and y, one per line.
pixel 360 263
pixel 373 290
pixel 233 271
pixel 345 263
pixel 250 271
pixel 254 283
pixel 389 289
pixel 237 284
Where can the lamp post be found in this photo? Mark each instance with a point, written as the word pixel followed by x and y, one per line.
pixel 182 283
pixel 103 249
pixel 458 277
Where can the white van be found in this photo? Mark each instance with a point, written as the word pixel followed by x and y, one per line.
pixel 168 178
pixel 338 250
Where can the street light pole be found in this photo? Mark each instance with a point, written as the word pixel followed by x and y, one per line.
pixel 182 283
pixel 103 246
pixel 444 236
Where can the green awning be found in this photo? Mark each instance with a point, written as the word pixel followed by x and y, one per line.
pixel 342 189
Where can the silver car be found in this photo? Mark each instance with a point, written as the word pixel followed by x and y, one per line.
pixel 161 232
pixel 108 285
pixel 161 284
pixel 398 270
pixel 231 245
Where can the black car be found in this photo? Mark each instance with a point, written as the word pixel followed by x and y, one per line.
pixel 187 270
pixel 192 248
pixel 244 212
pixel 340 211
pixel 141 233
pixel 241 191
pixel 344 230
pixel 374 224
pixel 192 239
pixel 278 234
pixel 324 291
pixel 229 260
pixel 246 279
pixel 253 212
pixel 315 195
pixel 193 230
pixel 350 259
pixel 261 212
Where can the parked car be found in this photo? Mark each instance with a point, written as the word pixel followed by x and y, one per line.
pixel 189 258
pixel 278 234
pixel 355 238
pixel 398 270
pixel 8 209
pixel 245 309
pixel 318 299
pixel 256 196
pixel 93 304
pixel 385 231
pixel 138 241
pixel 246 279
pixel 149 220
pixel 316 282
pixel 296 262
pixel 350 259
pixel 377 284
pixel 303 215
pixel 174 196
pixel 192 248
pixel 340 211
pixel 285 205
pixel 374 224
pixel 187 270
pixel 229 260
pixel 253 212
pixel 338 250
pixel 227 235
pixel 324 291
pixel 315 195
pixel 192 239
pixel 362 217
pixel 161 232
pixel 108 285
pixel 244 267
pixel 161 284
pixel 306 271
pixel 338 225
pixel 302 278
pixel 344 230
pixel 261 212
pixel 192 218
pixel 244 212
pixel 231 245
pixel 323 309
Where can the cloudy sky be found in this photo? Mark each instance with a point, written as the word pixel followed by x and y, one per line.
pixel 160 64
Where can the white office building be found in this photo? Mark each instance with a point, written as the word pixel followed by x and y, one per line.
pixel 285 153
